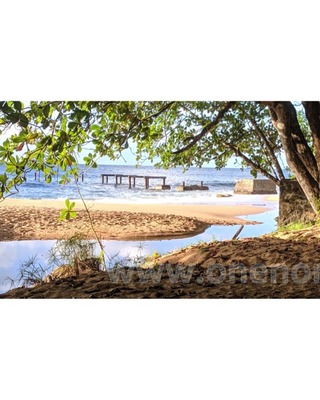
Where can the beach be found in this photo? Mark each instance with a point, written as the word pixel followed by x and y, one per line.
pixel 183 273
pixel 277 265
pixel 25 219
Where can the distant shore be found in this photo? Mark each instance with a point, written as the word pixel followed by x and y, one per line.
pixel 24 219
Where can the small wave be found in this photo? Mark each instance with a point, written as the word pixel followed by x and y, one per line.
pixel 222 181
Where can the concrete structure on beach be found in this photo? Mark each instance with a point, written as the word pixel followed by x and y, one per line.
pixel 255 186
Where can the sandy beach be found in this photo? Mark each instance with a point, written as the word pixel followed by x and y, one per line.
pixel 23 219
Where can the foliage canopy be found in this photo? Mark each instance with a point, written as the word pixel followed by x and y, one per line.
pixel 49 135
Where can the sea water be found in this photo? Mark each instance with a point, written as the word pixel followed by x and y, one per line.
pixel 91 188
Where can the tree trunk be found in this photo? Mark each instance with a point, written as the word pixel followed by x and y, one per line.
pixel 298 154
pixel 312 109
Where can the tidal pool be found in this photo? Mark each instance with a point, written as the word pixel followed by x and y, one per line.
pixel 12 254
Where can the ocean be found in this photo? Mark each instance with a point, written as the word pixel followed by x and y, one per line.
pixel 91 188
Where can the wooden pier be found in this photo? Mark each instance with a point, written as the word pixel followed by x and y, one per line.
pixel 131 179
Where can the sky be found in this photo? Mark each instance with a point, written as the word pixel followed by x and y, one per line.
pixel 128 156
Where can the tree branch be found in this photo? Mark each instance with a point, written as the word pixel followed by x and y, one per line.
pixel 250 162
pixel 207 128
pixel 136 122
pixel 162 110
pixel 270 151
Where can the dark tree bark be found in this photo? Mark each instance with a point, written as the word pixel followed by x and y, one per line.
pixel 300 157
pixel 312 110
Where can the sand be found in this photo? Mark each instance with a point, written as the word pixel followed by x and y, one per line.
pixel 279 265
pixel 22 219
pixel 265 267
pixel 185 273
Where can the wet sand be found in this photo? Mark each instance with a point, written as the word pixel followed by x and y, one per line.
pixel 22 219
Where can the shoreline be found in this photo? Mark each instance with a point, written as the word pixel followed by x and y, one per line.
pixel 25 219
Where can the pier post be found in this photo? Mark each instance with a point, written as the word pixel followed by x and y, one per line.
pixel 131 179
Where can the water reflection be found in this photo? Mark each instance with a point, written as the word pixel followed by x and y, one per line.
pixel 13 253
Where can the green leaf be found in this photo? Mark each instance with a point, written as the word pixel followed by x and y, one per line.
pixel 45 124
pixel 17 105
pixel 72 214
pixel 69 205
pixel 94 127
pixel 23 121
pixel 68 213
pixel 6 108
pixel 70 159
pixel 3 178
pixel 63 123
pixel 63 215
pixel 14 117
pixel 46 110
pixel 72 125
